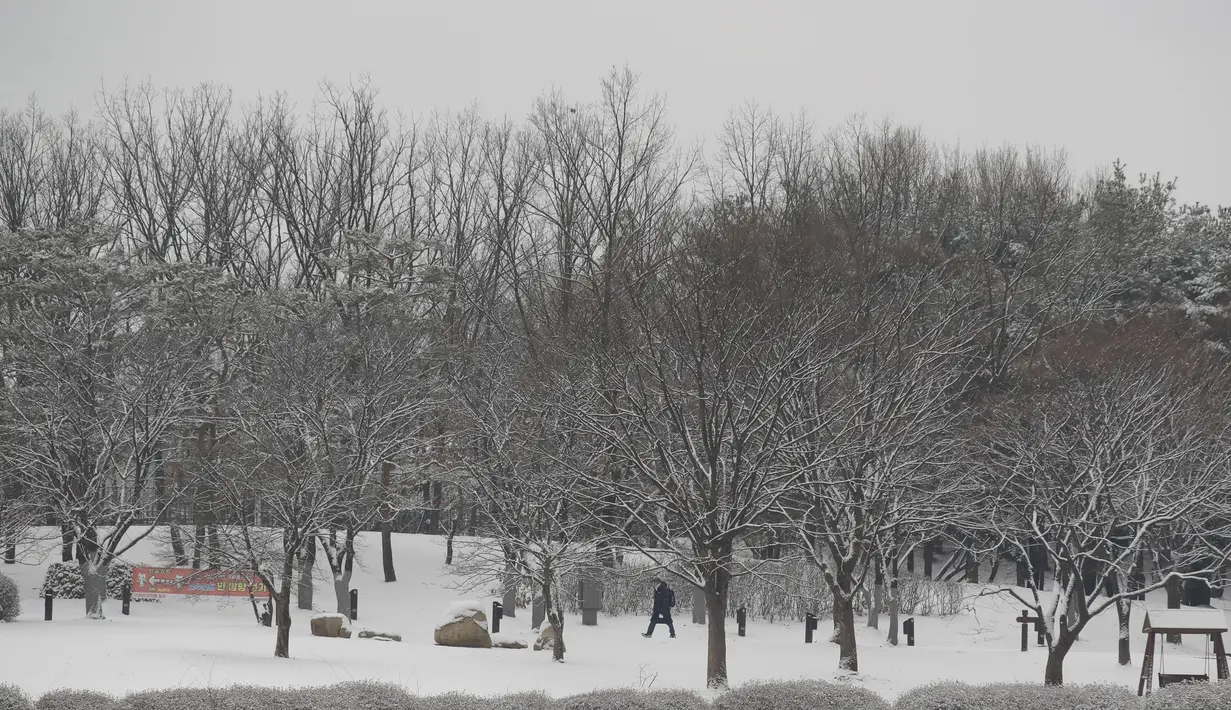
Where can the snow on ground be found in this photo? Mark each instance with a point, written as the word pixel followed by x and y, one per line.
pixel 205 643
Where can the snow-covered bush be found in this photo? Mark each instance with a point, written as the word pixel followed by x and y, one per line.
pixel 63 580
pixel 799 695
pixel 75 700
pixel 530 700
pixel 12 698
pixel 240 697
pixel 783 590
pixel 1191 696
pixel 1015 696
pixel 631 699
pixel 362 694
pixel 454 701
pixel 10 599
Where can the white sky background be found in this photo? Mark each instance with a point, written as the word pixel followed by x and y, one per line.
pixel 1146 81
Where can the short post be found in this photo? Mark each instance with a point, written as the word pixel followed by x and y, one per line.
pixel 538 613
pixel 1025 619
pixel 741 619
pixel 908 628
pixel 47 607
pixel 497 615
pixel 354 605
pixel 126 597
pixel 809 626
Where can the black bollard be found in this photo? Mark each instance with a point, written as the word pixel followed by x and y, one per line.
pixel 741 618
pixel 809 626
pixel 497 615
pixel 1025 630
pixel 47 607
pixel 908 628
pixel 354 605
pixel 126 598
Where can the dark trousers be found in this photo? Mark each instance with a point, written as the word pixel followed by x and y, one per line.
pixel 657 619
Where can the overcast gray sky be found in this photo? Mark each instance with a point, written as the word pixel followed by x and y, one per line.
pixel 1145 81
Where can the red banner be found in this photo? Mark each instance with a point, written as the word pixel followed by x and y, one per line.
pixel 157 581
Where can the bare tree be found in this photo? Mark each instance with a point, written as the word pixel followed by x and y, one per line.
pixel 101 374
pixel 1099 453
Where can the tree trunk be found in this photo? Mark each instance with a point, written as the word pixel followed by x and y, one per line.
pixel 66 550
pixel 282 600
pixel 386 551
pixel 554 617
pixel 1175 589
pixel 177 547
pixel 877 599
pixel 94 577
pixel 198 546
pixel 716 629
pixel 844 616
pixel 927 559
pixel 341 589
pixel 307 563
pixel 1053 674
pixel 211 560
pixel 972 568
pixel 1124 610
pixel 894 605
pixel 10 553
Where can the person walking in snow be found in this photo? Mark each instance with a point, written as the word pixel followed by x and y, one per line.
pixel 664 601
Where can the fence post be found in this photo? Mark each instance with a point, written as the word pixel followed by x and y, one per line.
pixel 354 605
pixel 47 607
pixel 497 614
pixel 741 618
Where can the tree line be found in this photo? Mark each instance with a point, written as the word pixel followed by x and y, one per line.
pixel 580 339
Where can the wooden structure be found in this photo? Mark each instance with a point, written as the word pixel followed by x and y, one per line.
pixel 1210 623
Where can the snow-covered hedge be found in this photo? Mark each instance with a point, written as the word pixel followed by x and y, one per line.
pixel 12 698
pixel 799 695
pixel 63 580
pixel 10 599
pixel 1018 696
pixel 784 590
pixel 1191 696
pixel 240 697
pixel 631 699
pixel 75 700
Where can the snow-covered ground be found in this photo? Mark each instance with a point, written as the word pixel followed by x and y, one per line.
pixel 205 643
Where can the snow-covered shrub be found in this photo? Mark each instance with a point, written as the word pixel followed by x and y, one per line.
pixel 529 700
pixel 10 599
pixel 1191 696
pixel 1015 696
pixel 799 695
pixel 780 590
pixel 453 701
pixel 362 694
pixel 631 699
pixel 75 700
pixel 239 697
pixel 12 698
pixel 63 580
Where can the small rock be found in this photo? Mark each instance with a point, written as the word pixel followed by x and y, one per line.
pixel 379 635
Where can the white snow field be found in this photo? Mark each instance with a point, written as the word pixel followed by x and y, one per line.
pixel 204 643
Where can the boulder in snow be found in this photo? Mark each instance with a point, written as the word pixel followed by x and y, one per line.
pixel 330 626
pixel 464 625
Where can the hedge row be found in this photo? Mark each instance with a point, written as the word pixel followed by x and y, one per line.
pixel 784 589
pixel 796 695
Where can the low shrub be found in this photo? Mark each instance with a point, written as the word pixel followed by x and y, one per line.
pixel 632 699
pixel 799 695
pixel 10 599
pixel 453 701
pixel 63 580
pixel 75 700
pixel 13 698
pixel 1012 696
pixel 531 700
pixel 1191 696
pixel 368 695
